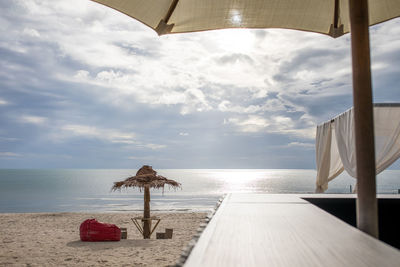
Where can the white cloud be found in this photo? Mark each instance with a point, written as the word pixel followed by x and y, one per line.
pixel 110 135
pixel 110 77
pixel 107 135
pixel 171 98
pixel 125 55
pixel 9 154
pixel 82 75
pixel 31 32
pixel 224 105
pixel 3 102
pixel 304 133
pixel 249 124
pixel 154 146
pixel 283 122
pixel 303 145
pixel 133 63
pixel 273 124
pixel 287 126
pixel 195 100
pixel 37 120
pixel 262 81
pixel 267 106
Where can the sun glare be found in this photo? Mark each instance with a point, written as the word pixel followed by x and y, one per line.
pixel 238 180
pixel 236 17
pixel 236 40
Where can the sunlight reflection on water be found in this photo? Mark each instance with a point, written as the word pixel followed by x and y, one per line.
pixel 90 190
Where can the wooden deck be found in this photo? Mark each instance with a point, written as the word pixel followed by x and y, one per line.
pixel 284 230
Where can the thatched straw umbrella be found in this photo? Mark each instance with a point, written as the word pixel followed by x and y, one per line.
pixel 146 178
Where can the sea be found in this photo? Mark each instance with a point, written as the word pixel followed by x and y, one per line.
pixel 89 190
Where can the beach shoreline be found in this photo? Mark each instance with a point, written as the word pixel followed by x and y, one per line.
pixel 52 239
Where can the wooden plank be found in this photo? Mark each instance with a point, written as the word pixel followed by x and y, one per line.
pixel 284 230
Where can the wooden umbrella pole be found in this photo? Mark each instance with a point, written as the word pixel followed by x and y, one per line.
pixel 146 213
pixel 367 207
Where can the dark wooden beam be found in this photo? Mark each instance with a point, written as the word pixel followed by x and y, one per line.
pixel 367 207
pixel 146 214
pixel 163 27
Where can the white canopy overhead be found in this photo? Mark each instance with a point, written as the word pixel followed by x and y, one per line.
pixel 335 143
pixel 174 16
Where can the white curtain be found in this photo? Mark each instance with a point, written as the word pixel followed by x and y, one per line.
pixel 329 164
pixel 387 136
pixel 345 139
pixel 335 144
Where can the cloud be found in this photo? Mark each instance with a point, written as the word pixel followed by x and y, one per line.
pixel 31 32
pixel 171 98
pixel 154 146
pixel 109 135
pixel 235 58
pixel 301 145
pixel 274 125
pixel 264 105
pixel 37 120
pixel 81 75
pixel 83 79
pixel 249 124
pixel 112 136
pixel 126 63
pixel 9 155
pixel 3 102
pixel 195 100
pixel 8 139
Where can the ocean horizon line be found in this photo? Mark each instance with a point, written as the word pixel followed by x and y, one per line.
pixel 40 190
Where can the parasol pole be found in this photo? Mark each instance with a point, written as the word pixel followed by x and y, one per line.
pixel 146 213
pixel 367 207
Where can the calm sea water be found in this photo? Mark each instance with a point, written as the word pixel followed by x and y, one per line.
pixel 89 190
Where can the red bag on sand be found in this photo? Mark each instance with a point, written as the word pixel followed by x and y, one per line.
pixel 92 230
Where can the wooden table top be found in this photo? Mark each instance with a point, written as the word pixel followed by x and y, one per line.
pixel 284 230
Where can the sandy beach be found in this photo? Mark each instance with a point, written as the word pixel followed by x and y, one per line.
pixel 52 239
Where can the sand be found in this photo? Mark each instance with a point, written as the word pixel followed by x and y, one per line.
pixel 52 239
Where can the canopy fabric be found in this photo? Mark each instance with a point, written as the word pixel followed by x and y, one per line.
pixel 174 16
pixel 335 144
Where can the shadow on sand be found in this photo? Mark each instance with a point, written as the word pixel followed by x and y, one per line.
pixel 112 244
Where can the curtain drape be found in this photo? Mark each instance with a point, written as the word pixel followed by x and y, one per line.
pixel 335 144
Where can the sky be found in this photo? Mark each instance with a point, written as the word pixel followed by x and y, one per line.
pixel 84 86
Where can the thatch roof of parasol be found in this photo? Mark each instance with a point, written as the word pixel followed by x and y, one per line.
pixel 146 176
